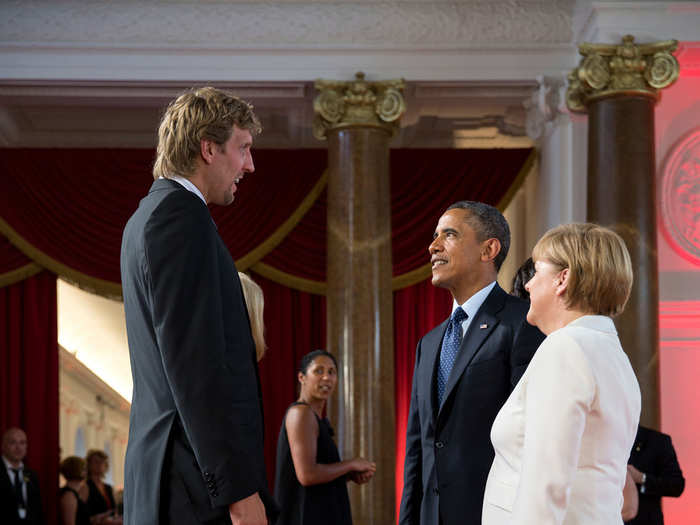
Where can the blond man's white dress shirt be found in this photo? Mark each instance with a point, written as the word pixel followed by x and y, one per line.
pixel 563 437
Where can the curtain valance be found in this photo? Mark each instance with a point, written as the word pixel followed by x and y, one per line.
pixel 65 209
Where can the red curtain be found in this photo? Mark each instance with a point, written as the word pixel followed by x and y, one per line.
pixel 11 258
pixel 29 375
pixel 295 324
pixel 72 205
pixel 417 309
pixel 423 183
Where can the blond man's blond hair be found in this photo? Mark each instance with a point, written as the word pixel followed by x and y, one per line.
pixel 255 302
pixel 600 269
pixel 204 113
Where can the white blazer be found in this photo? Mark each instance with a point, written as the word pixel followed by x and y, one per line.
pixel 564 435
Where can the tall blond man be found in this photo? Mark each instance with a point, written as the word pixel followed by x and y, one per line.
pixel 195 452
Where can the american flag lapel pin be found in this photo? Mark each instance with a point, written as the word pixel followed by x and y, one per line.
pixel 482 326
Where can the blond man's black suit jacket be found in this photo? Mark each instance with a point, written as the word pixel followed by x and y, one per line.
pixel 448 447
pixel 196 425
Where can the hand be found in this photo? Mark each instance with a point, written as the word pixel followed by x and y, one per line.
pixel 248 511
pixel 636 475
pixel 363 465
pixel 361 477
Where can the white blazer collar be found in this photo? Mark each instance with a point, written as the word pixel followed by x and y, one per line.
pixel 601 323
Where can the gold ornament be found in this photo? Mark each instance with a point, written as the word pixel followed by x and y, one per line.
pixel 330 105
pixel 357 103
pixel 627 68
pixel 662 71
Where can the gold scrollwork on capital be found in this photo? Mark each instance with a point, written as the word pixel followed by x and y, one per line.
pixel 357 103
pixel 626 68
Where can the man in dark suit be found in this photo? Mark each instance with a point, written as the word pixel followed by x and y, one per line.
pixel 195 452
pixel 655 470
pixel 465 370
pixel 20 502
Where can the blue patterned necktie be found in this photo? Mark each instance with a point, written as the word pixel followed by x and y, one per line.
pixel 450 347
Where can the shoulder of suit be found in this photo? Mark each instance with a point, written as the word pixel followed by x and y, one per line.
pixel 515 305
pixel 645 434
pixel 180 196
pixel 180 207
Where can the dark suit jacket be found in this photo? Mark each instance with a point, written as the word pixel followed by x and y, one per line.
pixel 8 501
pixel 196 424
pixel 448 448
pixel 653 454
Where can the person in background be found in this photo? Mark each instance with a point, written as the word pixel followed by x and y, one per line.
pixel 255 303
pixel 20 501
pixel 562 438
pixel 72 499
pixel 521 277
pixel 654 467
pixel 310 478
pixel 100 499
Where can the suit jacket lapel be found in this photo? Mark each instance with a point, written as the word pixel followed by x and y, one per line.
pixel 432 343
pixel 475 337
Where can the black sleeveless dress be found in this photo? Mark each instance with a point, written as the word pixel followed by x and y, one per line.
pixel 82 516
pixel 323 504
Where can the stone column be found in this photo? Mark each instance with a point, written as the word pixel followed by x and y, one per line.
pixel 618 85
pixel 358 119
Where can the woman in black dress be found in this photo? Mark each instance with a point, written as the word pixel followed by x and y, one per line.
pixel 100 496
pixel 310 478
pixel 72 496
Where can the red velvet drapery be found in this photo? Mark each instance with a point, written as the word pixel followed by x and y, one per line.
pixel 65 210
pixel 11 259
pixel 417 309
pixel 295 324
pixel 29 375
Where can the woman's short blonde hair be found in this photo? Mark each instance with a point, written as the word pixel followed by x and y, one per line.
pixel 205 113
pixel 255 302
pixel 600 269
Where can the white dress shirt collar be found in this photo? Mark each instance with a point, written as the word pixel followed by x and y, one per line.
pixel 9 466
pixel 188 185
pixel 472 305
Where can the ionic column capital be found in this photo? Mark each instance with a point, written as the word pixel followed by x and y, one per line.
pixel 358 103
pixel 608 70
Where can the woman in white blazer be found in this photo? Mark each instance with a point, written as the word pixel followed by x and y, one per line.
pixel 563 437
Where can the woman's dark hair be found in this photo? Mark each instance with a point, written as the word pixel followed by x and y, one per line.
pixel 308 359
pixel 73 468
pixel 522 276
